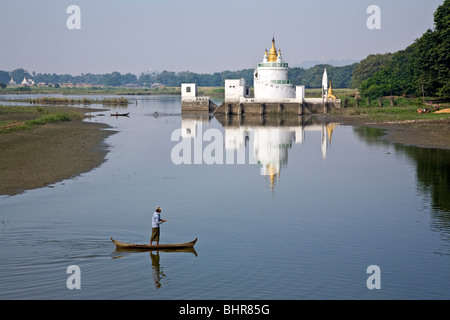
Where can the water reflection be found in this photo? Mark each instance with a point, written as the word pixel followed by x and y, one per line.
pixel 432 174
pixel 265 141
pixel 157 269
pixel 157 272
pixel 433 178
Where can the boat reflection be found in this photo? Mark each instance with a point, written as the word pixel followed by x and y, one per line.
pixel 128 250
pixel 157 270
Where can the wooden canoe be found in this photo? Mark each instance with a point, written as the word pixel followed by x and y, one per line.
pixel 120 114
pixel 123 245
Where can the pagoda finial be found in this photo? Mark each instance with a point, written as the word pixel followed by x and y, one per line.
pixel 273 52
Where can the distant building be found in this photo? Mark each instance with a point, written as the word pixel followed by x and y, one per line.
pixel 27 82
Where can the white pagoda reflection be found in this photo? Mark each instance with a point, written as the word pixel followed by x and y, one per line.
pixel 267 145
pixel 271 144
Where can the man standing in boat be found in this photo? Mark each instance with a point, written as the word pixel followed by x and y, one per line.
pixel 156 221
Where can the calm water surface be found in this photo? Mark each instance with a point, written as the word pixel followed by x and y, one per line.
pixel 303 216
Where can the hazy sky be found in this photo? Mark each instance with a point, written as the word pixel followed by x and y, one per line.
pixel 202 36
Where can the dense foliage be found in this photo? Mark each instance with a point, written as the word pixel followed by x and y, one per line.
pixel 341 77
pixel 368 67
pixel 422 68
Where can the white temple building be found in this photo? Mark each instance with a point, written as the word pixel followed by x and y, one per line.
pixel 273 92
pixel 270 82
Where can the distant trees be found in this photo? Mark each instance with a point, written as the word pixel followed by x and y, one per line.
pixel 341 77
pixel 216 79
pixel 311 78
pixel 19 74
pixel 112 79
pixel 4 77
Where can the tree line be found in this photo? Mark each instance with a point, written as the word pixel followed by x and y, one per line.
pixel 422 69
pixel 311 78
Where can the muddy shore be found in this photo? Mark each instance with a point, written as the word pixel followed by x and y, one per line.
pixel 420 133
pixel 45 155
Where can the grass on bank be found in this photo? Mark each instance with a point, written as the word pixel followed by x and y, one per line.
pixel 391 114
pixel 23 118
pixel 403 109
pixel 73 101
pixel 93 90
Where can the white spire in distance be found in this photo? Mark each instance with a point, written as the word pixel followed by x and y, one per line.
pixel 325 80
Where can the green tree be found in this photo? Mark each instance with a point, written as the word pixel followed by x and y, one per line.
pixel 340 77
pixel 19 74
pixel 368 67
pixel 4 77
pixel 425 64
pixel 112 79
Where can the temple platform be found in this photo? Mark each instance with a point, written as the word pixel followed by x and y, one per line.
pixel 307 106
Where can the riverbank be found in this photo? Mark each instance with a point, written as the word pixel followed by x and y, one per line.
pixel 46 154
pixel 421 132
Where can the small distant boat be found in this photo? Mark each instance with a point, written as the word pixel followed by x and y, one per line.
pixel 123 245
pixel 120 114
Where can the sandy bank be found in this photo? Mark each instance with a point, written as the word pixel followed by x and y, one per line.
pixel 50 153
pixel 421 133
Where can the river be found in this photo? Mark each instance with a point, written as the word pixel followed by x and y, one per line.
pixel 282 209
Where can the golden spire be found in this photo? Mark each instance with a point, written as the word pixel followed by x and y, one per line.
pixel 273 52
pixel 330 95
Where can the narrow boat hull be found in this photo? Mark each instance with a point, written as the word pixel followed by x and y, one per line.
pixel 119 114
pixel 123 245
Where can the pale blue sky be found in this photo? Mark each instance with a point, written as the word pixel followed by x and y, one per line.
pixel 203 36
